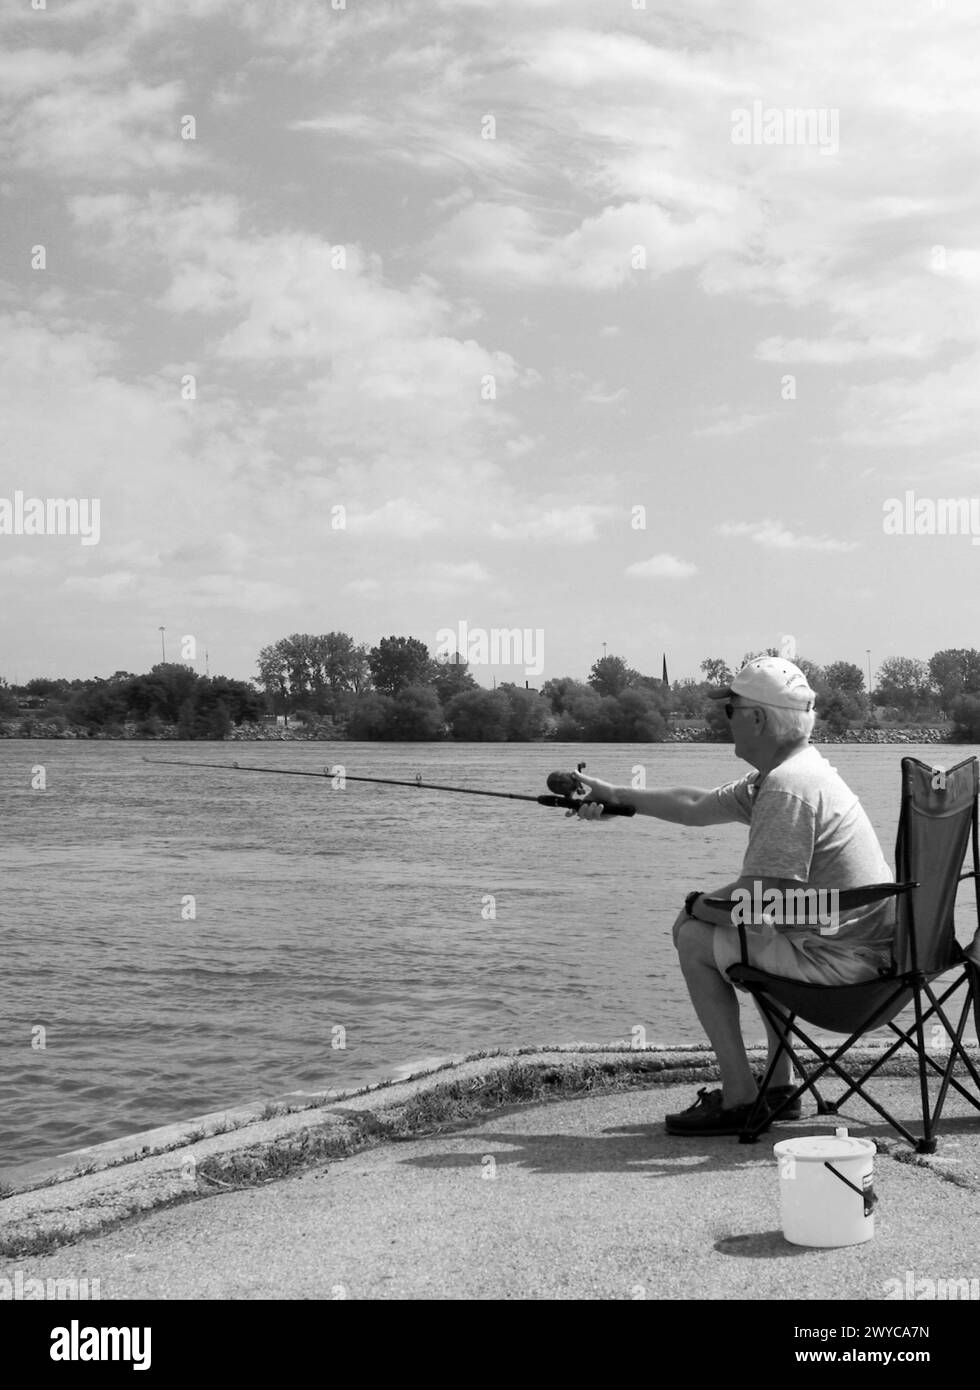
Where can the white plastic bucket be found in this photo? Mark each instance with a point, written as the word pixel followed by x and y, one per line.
pixel 826 1189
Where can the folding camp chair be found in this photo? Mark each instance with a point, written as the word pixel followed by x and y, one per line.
pixel 937 827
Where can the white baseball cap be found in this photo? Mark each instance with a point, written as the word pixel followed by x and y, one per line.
pixel 769 680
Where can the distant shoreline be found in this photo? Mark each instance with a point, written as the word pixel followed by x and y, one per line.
pixel 279 735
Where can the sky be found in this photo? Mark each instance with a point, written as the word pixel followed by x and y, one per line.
pixel 520 314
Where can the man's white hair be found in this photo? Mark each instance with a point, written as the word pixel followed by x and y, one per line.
pixel 789 725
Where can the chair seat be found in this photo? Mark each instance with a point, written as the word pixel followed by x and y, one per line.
pixel 838 1008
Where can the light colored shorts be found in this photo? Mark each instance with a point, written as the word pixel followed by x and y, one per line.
pixel 803 955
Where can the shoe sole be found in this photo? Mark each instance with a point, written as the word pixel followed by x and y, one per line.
pixel 792 1112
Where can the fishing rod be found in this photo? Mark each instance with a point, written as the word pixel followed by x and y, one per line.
pixel 566 788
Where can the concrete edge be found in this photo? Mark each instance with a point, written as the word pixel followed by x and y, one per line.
pixel 99 1188
pixel 180 1133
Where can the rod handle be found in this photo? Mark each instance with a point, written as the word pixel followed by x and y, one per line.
pixel 566 785
pixel 574 802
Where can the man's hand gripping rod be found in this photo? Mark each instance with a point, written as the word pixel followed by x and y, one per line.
pixel 571 792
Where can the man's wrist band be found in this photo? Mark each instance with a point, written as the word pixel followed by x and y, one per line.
pixel 690 900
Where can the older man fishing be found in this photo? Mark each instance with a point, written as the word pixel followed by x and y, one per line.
pixel 806 827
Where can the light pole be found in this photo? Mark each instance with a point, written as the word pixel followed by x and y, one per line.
pixel 870 701
pixel 603 651
pixel 163 645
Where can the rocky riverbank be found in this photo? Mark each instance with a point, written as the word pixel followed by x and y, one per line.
pixel 36 728
pixel 888 736
pixel 269 733
pixel 932 735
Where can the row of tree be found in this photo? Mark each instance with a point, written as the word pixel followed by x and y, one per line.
pixel 396 690
pixel 170 695
pixel 907 690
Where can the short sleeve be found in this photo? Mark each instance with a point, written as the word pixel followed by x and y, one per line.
pixel 781 838
pixel 736 798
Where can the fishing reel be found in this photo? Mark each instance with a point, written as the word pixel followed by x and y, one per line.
pixel 568 783
pixel 571 791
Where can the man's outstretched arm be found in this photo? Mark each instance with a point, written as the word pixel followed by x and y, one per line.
pixel 682 805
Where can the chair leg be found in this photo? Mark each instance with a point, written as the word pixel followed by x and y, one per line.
pixel 829 1063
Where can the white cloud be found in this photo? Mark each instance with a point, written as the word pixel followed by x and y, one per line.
pixel 368 371
pixel 736 424
pixel 630 244
pixel 399 516
pixel 27 70
pixel 909 412
pixel 582 57
pixel 443 578
pixel 662 567
pixel 775 536
pixel 600 397
pixel 831 351
pixel 466 572
pixel 572 525
pixel 106 134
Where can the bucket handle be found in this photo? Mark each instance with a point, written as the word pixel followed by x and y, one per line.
pixel 866 1192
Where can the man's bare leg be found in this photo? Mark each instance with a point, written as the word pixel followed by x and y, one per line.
pixel 783 1075
pixel 716 1006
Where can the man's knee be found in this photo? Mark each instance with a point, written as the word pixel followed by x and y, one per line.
pixel 694 940
pixel 682 919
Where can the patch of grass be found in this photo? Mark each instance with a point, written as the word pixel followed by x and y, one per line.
pixel 57 1237
pixel 53 1238
pixel 288 1156
pixel 428 1113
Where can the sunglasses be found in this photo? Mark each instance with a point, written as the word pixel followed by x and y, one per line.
pixel 730 709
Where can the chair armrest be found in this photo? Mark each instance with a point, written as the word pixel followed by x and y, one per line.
pixel 847 898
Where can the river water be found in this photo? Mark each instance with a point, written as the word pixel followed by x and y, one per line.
pixel 335 936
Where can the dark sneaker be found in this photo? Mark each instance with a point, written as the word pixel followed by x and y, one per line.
pixel 708 1116
pixel 775 1094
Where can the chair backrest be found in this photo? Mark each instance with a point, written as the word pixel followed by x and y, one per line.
pixel 937 826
